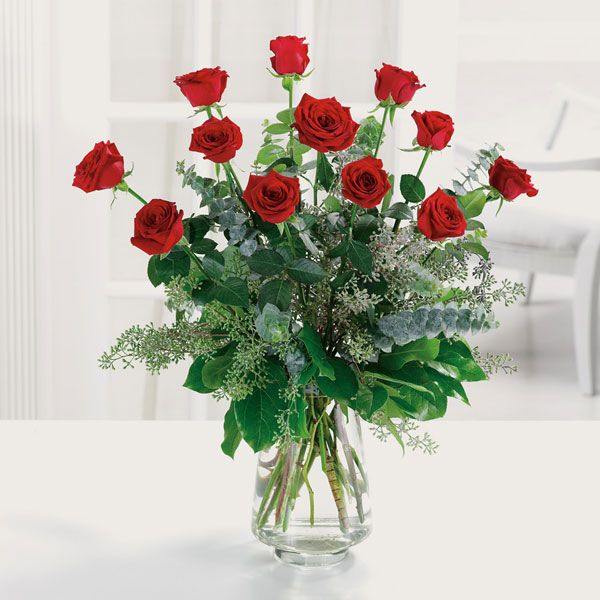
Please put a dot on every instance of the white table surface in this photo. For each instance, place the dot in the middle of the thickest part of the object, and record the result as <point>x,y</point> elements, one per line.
<point>111,511</point>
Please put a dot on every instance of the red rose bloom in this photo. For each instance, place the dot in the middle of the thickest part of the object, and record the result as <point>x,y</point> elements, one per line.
<point>511,181</point>
<point>203,87</point>
<point>439,217</point>
<point>324,125</point>
<point>274,197</point>
<point>157,227</point>
<point>291,55</point>
<point>434,129</point>
<point>217,139</point>
<point>101,168</point>
<point>364,182</point>
<point>393,81</point>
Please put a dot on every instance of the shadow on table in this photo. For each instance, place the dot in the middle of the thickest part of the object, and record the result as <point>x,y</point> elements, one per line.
<point>215,567</point>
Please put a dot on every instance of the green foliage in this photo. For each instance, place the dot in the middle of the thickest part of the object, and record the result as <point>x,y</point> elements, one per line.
<point>266,262</point>
<point>304,270</point>
<point>256,415</point>
<point>338,306</point>
<point>277,292</point>
<point>412,188</point>
<point>312,342</point>
<point>325,173</point>
<point>423,350</point>
<point>163,268</point>
<point>343,386</point>
<point>231,433</point>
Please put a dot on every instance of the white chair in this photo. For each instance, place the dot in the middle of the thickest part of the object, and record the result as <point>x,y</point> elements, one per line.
<point>526,237</point>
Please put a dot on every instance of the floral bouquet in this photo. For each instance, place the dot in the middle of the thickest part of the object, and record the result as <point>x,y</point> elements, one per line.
<point>318,291</point>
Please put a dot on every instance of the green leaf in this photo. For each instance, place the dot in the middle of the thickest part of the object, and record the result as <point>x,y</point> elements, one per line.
<point>325,173</point>
<point>473,224</point>
<point>305,270</point>
<point>307,373</point>
<point>341,280</point>
<point>266,262</point>
<point>332,204</point>
<point>194,377</point>
<point>204,293</point>
<point>272,325</point>
<point>163,269</point>
<point>198,227</point>
<point>472,203</point>
<point>365,227</point>
<point>215,369</point>
<point>344,385</point>
<point>457,356</point>
<point>399,210</point>
<point>297,419</point>
<point>360,256</point>
<point>203,246</point>
<point>447,383</point>
<point>277,292</point>
<point>231,432</point>
<point>476,248</point>
<point>368,400</point>
<point>267,154</point>
<point>412,188</point>
<point>422,349</point>
<point>233,292</point>
<point>256,415</point>
<point>385,204</point>
<point>311,340</point>
<point>278,128</point>
<point>286,116</point>
<point>340,250</point>
<point>213,264</point>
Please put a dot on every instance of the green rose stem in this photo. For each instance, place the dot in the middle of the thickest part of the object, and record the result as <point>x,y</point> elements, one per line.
<point>386,111</point>
<point>290,89</point>
<point>419,171</point>
<point>124,187</point>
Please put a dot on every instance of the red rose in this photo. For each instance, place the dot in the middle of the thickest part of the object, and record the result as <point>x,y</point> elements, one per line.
<point>203,87</point>
<point>439,217</point>
<point>324,125</point>
<point>101,168</point>
<point>393,81</point>
<point>510,180</point>
<point>274,197</point>
<point>434,129</point>
<point>157,227</point>
<point>217,139</point>
<point>291,55</point>
<point>364,182</point>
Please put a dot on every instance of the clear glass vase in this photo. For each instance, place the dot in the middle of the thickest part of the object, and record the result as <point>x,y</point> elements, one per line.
<point>311,499</point>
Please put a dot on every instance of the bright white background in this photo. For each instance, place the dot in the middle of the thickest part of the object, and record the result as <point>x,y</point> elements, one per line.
<point>105,69</point>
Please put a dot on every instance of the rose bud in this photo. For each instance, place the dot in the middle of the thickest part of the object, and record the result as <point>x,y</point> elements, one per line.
<point>324,125</point>
<point>290,55</point>
<point>511,181</point>
<point>396,83</point>
<point>157,227</point>
<point>364,182</point>
<point>274,197</point>
<point>101,168</point>
<point>434,129</point>
<point>439,217</point>
<point>217,139</point>
<point>203,87</point>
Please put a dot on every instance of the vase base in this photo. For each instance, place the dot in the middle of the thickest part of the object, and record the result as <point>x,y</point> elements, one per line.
<point>310,561</point>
